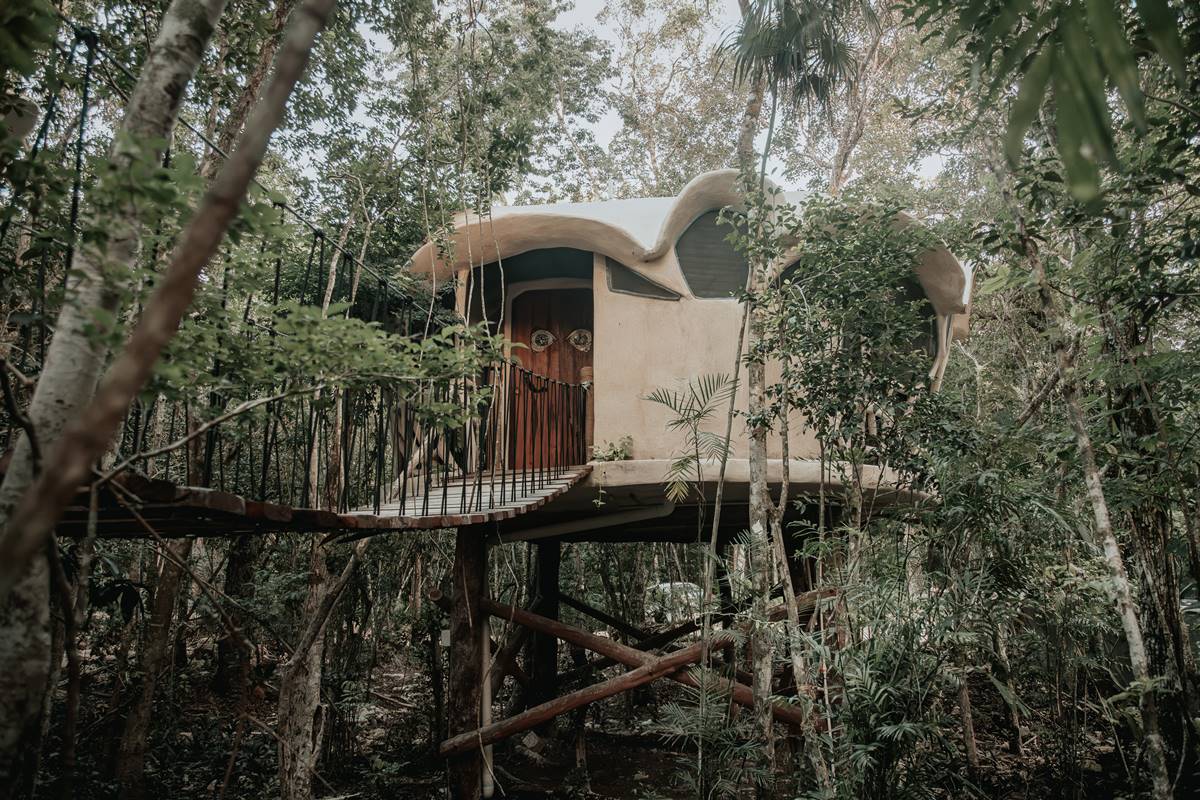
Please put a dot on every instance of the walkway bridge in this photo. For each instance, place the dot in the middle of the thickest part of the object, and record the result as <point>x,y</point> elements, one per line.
<point>500,444</point>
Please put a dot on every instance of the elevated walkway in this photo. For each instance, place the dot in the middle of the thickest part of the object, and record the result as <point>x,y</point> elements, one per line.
<point>133,503</point>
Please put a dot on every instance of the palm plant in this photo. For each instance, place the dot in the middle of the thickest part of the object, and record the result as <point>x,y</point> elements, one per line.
<point>691,407</point>
<point>800,49</point>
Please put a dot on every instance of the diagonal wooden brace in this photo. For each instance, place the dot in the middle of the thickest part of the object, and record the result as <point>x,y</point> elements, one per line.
<point>531,718</point>
<point>632,657</point>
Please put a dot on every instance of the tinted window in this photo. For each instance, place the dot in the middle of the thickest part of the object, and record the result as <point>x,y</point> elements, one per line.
<point>624,280</point>
<point>711,266</point>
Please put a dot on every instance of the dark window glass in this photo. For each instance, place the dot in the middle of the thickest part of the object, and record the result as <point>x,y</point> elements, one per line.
<point>624,280</point>
<point>551,262</point>
<point>711,266</point>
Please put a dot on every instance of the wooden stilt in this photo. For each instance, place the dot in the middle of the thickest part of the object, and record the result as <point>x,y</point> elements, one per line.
<point>806,602</point>
<point>506,656</point>
<point>543,669</point>
<point>465,769</point>
<point>485,705</point>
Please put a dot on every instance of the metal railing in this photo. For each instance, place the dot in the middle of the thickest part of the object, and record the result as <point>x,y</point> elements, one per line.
<point>433,448</point>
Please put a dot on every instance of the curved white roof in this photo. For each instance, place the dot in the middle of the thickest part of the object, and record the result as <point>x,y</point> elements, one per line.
<point>636,232</point>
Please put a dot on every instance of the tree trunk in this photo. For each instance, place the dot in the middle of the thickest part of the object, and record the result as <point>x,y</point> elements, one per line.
<point>73,361</point>
<point>235,121</point>
<point>968,721</point>
<point>1003,670</point>
<point>233,662</point>
<point>88,436</point>
<point>465,772</point>
<point>232,675</point>
<point>760,551</point>
<point>1113,557</point>
<point>300,719</point>
<point>655,667</point>
<point>156,657</point>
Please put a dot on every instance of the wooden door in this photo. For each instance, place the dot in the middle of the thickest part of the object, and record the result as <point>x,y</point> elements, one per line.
<point>555,327</point>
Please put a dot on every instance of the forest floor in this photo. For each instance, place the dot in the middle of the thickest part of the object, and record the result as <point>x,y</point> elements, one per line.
<point>383,748</point>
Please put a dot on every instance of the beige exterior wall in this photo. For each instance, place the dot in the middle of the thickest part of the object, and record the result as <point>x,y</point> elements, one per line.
<point>642,344</point>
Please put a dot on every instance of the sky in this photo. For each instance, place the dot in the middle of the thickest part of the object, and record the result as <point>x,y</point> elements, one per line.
<point>583,15</point>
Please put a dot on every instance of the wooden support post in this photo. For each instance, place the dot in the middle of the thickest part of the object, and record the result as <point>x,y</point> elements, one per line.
<point>465,770</point>
<point>485,704</point>
<point>652,669</point>
<point>619,625</point>
<point>506,656</point>
<point>633,657</point>
<point>543,669</point>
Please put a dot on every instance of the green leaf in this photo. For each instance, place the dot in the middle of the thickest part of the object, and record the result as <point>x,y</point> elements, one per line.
<point>1017,52</point>
<point>1162,27</point>
<point>1073,125</point>
<point>1085,76</point>
<point>1029,101</point>
<point>1115,52</point>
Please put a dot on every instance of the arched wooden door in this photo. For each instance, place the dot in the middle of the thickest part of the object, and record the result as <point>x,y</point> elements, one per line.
<point>555,327</point>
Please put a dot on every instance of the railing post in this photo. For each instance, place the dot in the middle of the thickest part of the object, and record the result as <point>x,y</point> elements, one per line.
<point>589,414</point>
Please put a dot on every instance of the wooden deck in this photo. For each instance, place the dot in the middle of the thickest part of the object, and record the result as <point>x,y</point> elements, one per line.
<point>134,502</point>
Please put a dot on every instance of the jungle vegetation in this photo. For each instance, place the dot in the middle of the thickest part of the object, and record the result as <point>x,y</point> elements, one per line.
<point>207,212</point>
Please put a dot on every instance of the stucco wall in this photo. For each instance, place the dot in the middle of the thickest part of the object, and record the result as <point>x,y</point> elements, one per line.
<point>642,344</point>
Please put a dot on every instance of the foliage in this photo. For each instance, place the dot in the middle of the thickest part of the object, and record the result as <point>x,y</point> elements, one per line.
<point>1069,124</point>
<point>620,450</point>
<point>727,758</point>
<point>799,47</point>
<point>1074,50</point>
<point>691,407</point>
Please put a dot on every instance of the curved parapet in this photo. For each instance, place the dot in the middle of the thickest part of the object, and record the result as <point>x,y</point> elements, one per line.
<point>638,232</point>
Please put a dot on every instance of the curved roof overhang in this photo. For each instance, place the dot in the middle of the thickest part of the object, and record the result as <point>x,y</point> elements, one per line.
<point>611,230</point>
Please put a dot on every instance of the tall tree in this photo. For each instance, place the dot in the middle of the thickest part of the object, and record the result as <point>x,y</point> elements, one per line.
<point>73,362</point>
<point>795,53</point>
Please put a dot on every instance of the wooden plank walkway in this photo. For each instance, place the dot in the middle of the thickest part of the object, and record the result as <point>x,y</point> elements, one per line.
<point>180,511</point>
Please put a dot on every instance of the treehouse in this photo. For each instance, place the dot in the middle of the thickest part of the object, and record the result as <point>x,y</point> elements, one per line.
<point>627,296</point>
<point>603,303</point>
<point>618,298</point>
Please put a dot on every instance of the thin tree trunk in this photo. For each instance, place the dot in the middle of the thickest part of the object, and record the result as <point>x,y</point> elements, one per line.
<point>73,361</point>
<point>86,439</point>
<point>232,677</point>
<point>1113,558</point>
<point>233,662</point>
<point>1004,674</point>
<point>760,551</point>
<point>301,721</point>
<point>235,121</point>
<point>156,657</point>
<point>748,127</point>
<point>967,718</point>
